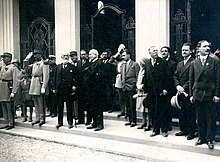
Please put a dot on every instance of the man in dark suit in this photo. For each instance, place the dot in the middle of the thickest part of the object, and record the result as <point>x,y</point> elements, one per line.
<point>187,119</point>
<point>156,84</point>
<point>65,85</point>
<point>110,70</point>
<point>129,75</point>
<point>165,53</point>
<point>95,83</point>
<point>82,93</point>
<point>204,91</point>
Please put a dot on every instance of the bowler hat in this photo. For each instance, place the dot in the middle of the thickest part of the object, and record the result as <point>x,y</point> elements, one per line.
<point>175,101</point>
<point>36,51</point>
<point>6,54</point>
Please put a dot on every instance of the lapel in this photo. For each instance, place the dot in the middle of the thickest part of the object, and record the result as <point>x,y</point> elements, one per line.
<point>129,66</point>
<point>207,63</point>
<point>185,67</point>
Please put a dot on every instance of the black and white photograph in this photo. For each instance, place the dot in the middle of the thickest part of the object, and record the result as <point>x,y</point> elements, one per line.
<point>109,80</point>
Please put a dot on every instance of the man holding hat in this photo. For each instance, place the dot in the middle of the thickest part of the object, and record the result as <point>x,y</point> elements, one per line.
<point>187,119</point>
<point>39,81</point>
<point>9,76</point>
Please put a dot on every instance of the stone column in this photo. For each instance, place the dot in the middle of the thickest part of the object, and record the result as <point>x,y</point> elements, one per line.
<point>152,25</point>
<point>9,27</point>
<point>67,27</point>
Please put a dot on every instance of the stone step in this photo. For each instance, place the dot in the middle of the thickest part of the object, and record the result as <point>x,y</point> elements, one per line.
<point>119,139</point>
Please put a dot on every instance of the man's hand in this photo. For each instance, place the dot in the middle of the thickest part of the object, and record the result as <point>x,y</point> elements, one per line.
<point>73,88</point>
<point>179,89</point>
<point>216,99</point>
<point>192,99</point>
<point>164,92</point>
<point>12,95</point>
<point>54,91</point>
<point>43,90</point>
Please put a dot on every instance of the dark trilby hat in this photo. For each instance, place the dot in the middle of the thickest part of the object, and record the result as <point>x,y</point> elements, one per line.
<point>6,54</point>
<point>72,53</point>
<point>36,51</point>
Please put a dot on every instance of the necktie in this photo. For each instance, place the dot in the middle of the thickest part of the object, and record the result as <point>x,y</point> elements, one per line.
<point>203,61</point>
<point>153,61</point>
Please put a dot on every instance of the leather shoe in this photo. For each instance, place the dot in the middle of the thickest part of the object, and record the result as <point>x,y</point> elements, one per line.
<point>58,126</point>
<point>126,124</point>
<point>70,126</point>
<point>147,128</point>
<point>24,120</point>
<point>199,142</point>
<point>210,144</point>
<point>133,124</point>
<point>35,122</point>
<point>41,123</point>
<point>91,127</point>
<point>4,127</point>
<point>154,134</point>
<point>141,126</point>
<point>180,134</point>
<point>98,129</point>
<point>121,114</point>
<point>190,137</point>
<point>165,134</point>
<point>9,127</point>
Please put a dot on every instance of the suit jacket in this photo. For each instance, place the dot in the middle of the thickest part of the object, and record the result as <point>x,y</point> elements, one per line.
<point>204,81</point>
<point>69,76</point>
<point>181,76</point>
<point>95,81</point>
<point>155,77</point>
<point>129,75</point>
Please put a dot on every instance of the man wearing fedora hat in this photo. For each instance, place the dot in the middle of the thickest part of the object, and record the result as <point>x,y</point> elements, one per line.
<point>187,120</point>
<point>9,76</point>
<point>39,80</point>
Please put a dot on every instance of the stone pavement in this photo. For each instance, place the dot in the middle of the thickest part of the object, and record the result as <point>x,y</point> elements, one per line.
<point>119,139</point>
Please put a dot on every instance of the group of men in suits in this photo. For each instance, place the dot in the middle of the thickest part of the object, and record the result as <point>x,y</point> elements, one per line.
<point>196,82</point>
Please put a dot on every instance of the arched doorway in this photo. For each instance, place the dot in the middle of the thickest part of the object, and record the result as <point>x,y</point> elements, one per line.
<point>108,25</point>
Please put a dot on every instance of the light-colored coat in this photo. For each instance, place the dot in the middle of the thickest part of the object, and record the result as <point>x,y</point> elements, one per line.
<point>40,77</point>
<point>8,73</point>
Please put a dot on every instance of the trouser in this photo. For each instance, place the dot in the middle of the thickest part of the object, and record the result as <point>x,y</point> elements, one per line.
<point>158,113</point>
<point>205,112</point>
<point>69,110</point>
<point>39,107</point>
<point>26,104</point>
<point>187,118</point>
<point>130,104</point>
<point>120,100</point>
<point>8,112</point>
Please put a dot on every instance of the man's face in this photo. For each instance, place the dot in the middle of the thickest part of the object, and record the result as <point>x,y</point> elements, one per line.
<point>52,61</point>
<point>153,52</point>
<point>92,56</point>
<point>186,51</point>
<point>37,56</point>
<point>164,53</point>
<point>204,49</point>
<point>65,58</point>
<point>104,56</point>
<point>125,56</point>
<point>84,55</point>
<point>74,58</point>
<point>6,59</point>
